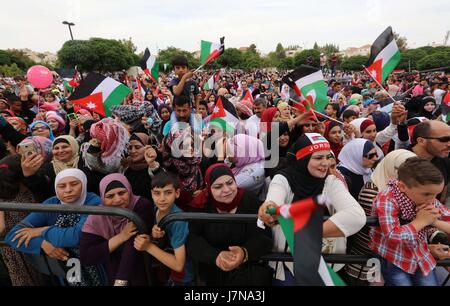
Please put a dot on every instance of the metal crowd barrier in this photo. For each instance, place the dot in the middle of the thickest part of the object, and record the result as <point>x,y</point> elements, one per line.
<point>197,217</point>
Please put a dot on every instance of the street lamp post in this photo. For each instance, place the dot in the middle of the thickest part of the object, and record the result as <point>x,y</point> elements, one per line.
<point>69,24</point>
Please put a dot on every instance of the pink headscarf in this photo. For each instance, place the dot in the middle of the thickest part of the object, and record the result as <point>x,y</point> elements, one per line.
<point>53,115</point>
<point>246,150</point>
<point>109,226</point>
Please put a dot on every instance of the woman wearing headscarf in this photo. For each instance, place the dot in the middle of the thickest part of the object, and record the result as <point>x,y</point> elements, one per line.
<point>164,112</point>
<point>246,155</point>
<point>41,128</point>
<point>306,177</point>
<point>385,171</point>
<point>285,111</point>
<point>357,158</point>
<point>333,133</point>
<point>142,164</point>
<point>227,253</point>
<point>40,174</point>
<point>56,123</point>
<point>58,235</point>
<point>427,108</point>
<point>108,240</point>
<point>14,191</point>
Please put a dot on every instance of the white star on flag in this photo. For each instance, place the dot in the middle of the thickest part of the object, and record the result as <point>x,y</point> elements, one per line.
<point>91,105</point>
<point>373,73</point>
<point>216,109</point>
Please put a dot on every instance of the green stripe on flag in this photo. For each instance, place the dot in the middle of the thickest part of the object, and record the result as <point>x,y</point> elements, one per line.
<point>390,66</point>
<point>321,99</point>
<point>67,86</point>
<point>155,70</point>
<point>116,97</point>
<point>223,124</point>
<point>205,51</point>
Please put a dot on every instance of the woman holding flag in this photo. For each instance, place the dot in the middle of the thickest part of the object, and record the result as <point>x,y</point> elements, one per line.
<point>309,177</point>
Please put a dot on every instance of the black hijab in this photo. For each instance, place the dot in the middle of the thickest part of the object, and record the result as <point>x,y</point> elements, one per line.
<point>302,183</point>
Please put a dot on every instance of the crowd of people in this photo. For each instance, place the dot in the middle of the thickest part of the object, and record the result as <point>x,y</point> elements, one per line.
<point>380,152</point>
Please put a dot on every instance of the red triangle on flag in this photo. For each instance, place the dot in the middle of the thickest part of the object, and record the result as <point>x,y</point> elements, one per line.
<point>92,103</point>
<point>219,111</point>
<point>376,70</point>
<point>300,212</point>
<point>248,96</point>
<point>447,99</point>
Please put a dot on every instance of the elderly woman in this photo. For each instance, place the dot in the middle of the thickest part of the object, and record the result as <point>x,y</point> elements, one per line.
<point>228,253</point>
<point>108,240</point>
<point>58,235</point>
<point>307,177</point>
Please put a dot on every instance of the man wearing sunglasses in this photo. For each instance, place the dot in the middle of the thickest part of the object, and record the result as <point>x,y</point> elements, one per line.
<point>431,140</point>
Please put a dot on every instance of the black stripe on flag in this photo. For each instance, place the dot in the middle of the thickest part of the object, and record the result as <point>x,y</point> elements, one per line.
<point>143,62</point>
<point>380,43</point>
<point>228,106</point>
<point>65,73</point>
<point>308,250</point>
<point>298,73</point>
<point>87,86</point>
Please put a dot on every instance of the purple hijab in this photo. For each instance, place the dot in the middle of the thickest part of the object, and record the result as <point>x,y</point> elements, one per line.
<point>109,226</point>
<point>246,149</point>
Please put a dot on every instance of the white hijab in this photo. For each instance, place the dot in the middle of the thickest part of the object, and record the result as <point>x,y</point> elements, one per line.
<point>387,168</point>
<point>79,175</point>
<point>351,158</point>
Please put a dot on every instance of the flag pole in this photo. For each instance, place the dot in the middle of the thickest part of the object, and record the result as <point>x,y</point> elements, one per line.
<point>323,115</point>
<point>378,83</point>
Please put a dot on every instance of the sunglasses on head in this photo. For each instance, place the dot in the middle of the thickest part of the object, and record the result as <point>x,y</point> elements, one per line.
<point>441,139</point>
<point>371,155</point>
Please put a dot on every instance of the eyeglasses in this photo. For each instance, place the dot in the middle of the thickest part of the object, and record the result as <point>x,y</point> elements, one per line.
<point>371,155</point>
<point>440,139</point>
<point>40,128</point>
<point>310,125</point>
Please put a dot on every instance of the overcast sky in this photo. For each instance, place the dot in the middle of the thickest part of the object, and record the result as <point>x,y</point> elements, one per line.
<point>183,23</point>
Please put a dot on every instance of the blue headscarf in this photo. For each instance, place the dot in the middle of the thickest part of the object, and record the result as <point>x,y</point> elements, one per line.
<point>51,137</point>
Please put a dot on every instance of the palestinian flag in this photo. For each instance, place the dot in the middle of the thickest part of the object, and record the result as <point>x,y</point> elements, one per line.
<point>98,93</point>
<point>248,96</point>
<point>384,56</point>
<point>212,80</point>
<point>71,78</point>
<point>446,107</point>
<point>308,84</point>
<point>224,115</point>
<point>150,65</point>
<point>210,51</point>
<point>302,225</point>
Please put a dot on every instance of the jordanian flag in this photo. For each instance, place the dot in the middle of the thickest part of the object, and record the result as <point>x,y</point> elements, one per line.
<point>384,56</point>
<point>150,65</point>
<point>302,225</point>
<point>71,78</point>
<point>212,80</point>
<point>224,115</point>
<point>210,51</point>
<point>98,93</point>
<point>308,83</point>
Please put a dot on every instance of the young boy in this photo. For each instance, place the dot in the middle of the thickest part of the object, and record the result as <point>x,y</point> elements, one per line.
<point>183,84</point>
<point>165,190</point>
<point>407,210</point>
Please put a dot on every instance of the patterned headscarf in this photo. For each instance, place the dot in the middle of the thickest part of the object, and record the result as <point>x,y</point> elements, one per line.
<point>58,165</point>
<point>22,124</point>
<point>42,144</point>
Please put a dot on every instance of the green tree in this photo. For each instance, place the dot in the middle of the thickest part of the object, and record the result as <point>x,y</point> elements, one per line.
<point>10,70</point>
<point>128,43</point>
<point>436,60</point>
<point>166,55</point>
<point>231,58</point>
<point>251,60</point>
<point>13,56</point>
<point>301,58</point>
<point>410,58</point>
<point>316,46</point>
<point>96,54</point>
<point>354,63</point>
<point>402,42</point>
<point>329,49</point>
<point>286,63</point>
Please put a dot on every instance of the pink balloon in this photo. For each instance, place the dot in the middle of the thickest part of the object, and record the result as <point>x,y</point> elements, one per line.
<point>39,76</point>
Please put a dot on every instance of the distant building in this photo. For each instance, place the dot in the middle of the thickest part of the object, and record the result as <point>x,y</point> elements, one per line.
<point>352,51</point>
<point>291,51</point>
<point>196,54</point>
<point>40,57</point>
<point>243,49</point>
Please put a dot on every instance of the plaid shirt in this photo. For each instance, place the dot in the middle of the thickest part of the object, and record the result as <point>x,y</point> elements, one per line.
<point>400,244</point>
